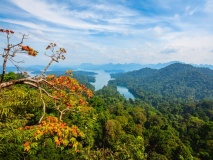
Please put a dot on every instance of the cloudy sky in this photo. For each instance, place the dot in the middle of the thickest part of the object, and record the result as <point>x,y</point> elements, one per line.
<point>115,31</point>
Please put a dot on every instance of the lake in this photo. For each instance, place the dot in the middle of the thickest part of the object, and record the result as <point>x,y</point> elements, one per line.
<point>102,79</point>
<point>125,92</point>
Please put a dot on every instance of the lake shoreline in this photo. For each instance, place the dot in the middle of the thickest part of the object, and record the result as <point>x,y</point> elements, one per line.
<point>102,78</point>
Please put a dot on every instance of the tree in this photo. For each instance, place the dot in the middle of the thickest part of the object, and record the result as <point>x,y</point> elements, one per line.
<point>57,88</point>
<point>19,104</point>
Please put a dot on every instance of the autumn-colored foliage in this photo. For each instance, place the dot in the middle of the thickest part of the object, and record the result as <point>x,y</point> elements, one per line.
<point>68,93</point>
<point>29,50</point>
<point>7,31</point>
<point>62,135</point>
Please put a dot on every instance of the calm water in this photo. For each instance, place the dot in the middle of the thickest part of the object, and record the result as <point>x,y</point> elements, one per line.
<point>125,92</point>
<point>102,79</point>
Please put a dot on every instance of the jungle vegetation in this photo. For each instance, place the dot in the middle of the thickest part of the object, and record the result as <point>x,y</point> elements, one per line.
<point>56,117</point>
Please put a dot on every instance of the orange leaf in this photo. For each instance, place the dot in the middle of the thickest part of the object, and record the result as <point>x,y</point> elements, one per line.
<point>26,144</point>
<point>25,48</point>
<point>7,31</point>
<point>48,47</point>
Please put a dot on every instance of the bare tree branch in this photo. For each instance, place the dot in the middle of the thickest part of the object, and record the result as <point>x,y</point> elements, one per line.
<point>7,53</point>
<point>44,105</point>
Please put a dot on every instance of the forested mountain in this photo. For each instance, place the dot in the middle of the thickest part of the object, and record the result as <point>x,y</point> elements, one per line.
<point>176,81</point>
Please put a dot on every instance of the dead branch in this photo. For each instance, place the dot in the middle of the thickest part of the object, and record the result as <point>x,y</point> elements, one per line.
<point>54,57</point>
<point>6,55</point>
<point>44,105</point>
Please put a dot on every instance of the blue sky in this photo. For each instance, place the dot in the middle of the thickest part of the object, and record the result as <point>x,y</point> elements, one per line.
<point>113,31</point>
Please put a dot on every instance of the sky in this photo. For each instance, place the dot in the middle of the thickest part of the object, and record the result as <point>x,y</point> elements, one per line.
<point>112,31</point>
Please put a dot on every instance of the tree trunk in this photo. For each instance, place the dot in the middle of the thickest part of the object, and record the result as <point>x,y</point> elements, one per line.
<point>4,68</point>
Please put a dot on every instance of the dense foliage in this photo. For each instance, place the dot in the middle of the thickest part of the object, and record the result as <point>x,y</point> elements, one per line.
<point>56,117</point>
<point>176,81</point>
<point>115,128</point>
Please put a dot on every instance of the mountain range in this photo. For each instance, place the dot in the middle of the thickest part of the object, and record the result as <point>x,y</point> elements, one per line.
<point>110,67</point>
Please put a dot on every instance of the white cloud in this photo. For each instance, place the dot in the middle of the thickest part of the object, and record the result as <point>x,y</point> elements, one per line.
<point>209,6</point>
<point>158,30</point>
<point>52,13</point>
<point>27,24</point>
<point>190,11</point>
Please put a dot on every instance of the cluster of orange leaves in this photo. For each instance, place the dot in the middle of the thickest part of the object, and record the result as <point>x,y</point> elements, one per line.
<point>63,50</point>
<point>29,50</point>
<point>61,134</point>
<point>7,31</point>
<point>70,85</point>
<point>51,45</point>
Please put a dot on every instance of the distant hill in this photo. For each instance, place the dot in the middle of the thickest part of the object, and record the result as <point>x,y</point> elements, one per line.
<point>37,68</point>
<point>110,67</point>
<point>179,81</point>
<point>203,65</point>
<point>119,68</point>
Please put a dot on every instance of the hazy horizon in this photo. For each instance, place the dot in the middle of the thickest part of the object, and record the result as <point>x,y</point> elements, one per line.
<point>88,63</point>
